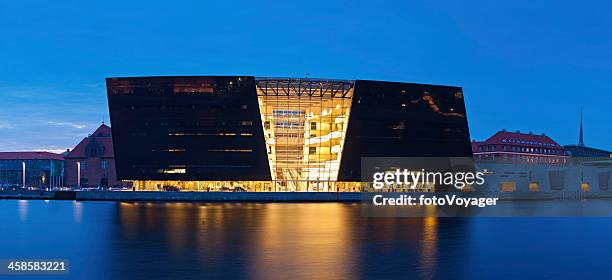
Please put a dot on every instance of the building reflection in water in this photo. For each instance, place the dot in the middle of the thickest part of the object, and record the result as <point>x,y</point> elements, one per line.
<point>305,241</point>
<point>429,244</point>
<point>273,240</point>
<point>77,211</point>
<point>23,210</point>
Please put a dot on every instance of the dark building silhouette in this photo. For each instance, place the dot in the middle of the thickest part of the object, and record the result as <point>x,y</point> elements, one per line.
<point>390,119</point>
<point>92,159</point>
<point>275,134</point>
<point>584,151</point>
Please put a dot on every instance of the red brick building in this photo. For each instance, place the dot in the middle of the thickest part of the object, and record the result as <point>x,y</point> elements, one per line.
<point>517,147</point>
<point>93,158</point>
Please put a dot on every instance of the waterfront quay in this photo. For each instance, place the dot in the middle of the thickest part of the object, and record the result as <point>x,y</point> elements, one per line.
<point>185,196</point>
<point>269,196</point>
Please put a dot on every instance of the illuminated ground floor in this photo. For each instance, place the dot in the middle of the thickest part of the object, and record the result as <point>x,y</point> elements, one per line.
<point>271,186</point>
<point>247,186</point>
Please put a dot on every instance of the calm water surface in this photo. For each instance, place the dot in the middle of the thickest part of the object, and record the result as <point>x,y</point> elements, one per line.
<point>111,240</point>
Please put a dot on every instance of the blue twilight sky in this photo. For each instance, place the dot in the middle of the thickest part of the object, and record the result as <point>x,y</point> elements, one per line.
<point>524,65</point>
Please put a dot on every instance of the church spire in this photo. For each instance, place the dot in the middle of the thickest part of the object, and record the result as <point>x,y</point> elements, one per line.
<point>581,138</point>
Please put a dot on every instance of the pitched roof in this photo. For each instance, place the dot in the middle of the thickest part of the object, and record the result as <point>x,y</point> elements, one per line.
<point>102,136</point>
<point>521,139</point>
<point>29,156</point>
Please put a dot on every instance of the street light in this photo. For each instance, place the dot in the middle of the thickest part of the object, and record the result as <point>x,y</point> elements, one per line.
<point>78,174</point>
<point>23,175</point>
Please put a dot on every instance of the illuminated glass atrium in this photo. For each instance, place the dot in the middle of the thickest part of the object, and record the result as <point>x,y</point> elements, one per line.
<point>305,123</point>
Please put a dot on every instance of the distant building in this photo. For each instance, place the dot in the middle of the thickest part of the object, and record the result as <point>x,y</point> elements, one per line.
<point>526,162</point>
<point>517,147</point>
<point>93,159</point>
<point>42,169</point>
<point>581,150</point>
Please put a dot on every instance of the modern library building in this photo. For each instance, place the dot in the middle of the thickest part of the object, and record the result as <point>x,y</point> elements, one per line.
<point>245,133</point>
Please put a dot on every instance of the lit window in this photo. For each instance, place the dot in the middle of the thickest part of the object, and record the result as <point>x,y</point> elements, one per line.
<point>231,150</point>
<point>584,186</point>
<point>507,186</point>
<point>288,124</point>
<point>171,150</point>
<point>289,113</point>
<point>172,171</point>
<point>398,126</point>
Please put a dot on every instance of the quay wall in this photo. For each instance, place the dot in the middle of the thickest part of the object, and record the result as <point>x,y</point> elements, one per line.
<point>187,196</point>
<point>269,196</point>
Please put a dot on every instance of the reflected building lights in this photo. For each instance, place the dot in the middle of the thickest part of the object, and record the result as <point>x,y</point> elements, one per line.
<point>128,218</point>
<point>78,211</point>
<point>23,210</point>
<point>302,237</point>
<point>278,240</point>
<point>429,244</point>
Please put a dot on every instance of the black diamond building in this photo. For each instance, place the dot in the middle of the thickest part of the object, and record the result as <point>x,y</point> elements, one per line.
<point>245,133</point>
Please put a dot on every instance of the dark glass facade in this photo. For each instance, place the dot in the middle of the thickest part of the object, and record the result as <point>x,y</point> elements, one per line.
<point>390,119</point>
<point>187,128</point>
<point>299,134</point>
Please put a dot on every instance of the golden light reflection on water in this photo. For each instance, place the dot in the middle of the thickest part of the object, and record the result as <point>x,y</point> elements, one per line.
<point>128,218</point>
<point>307,241</point>
<point>429,243</point>
<point>179,227</point>
<point>282,240</point>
